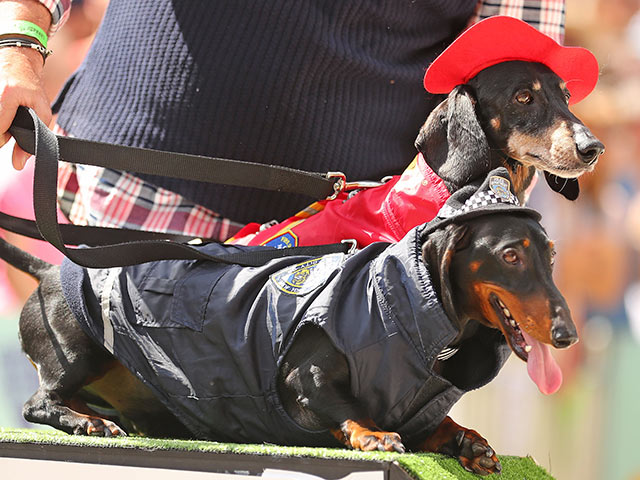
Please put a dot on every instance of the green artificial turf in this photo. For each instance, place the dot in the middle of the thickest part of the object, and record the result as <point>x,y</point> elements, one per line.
<point>421,466</point>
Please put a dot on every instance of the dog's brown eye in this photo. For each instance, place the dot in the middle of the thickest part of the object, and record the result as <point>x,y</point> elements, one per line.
<point>511,256</point>
<point>567,97</point>
<point>524,98</point>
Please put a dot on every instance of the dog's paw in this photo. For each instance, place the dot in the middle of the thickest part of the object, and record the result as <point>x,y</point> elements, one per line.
<point>365,435</point>
<point>475,454</point>
<point>101,427</point>
<point>384,441</point>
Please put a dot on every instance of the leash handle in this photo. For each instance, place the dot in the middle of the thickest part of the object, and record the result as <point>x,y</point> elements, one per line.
<point>47,146</point>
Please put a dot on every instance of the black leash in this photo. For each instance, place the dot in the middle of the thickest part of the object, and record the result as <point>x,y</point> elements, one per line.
<point>111,247</point>
<point>177,165</point>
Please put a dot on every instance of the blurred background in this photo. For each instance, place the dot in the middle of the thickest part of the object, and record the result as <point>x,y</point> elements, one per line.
<point>589,429</point>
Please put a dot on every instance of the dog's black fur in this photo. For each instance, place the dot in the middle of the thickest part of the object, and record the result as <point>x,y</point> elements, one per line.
<point>313,381</point>
<point>513,114</point>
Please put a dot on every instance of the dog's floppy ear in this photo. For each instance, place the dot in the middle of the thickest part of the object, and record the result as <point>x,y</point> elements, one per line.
<point>438,252</point>
<point>568,187</point>
<point>453,142</point>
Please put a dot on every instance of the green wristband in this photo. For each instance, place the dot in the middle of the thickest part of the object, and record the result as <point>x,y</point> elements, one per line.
<point>22,27</point>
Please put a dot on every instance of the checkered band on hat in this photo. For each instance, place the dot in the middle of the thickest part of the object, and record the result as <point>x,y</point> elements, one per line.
<point>477,201</point>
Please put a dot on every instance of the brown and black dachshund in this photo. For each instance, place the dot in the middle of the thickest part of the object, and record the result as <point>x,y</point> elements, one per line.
<point>514,114</point>
<point>492,273</point>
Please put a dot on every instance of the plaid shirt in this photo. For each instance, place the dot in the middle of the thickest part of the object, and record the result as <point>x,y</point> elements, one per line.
<point>59,13</point>
<point>90,195</point>
<point>546,15</point>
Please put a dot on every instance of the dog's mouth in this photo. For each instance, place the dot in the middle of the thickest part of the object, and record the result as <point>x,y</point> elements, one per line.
<point>541,366</point>
<point>566,150</point>
<point>564,171</point>
<point>511,329</point>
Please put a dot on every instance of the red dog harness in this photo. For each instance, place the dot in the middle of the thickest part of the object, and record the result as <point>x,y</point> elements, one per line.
<point>381,214</point>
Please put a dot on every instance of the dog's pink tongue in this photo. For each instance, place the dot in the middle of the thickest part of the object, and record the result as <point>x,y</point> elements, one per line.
<point>542,367</point>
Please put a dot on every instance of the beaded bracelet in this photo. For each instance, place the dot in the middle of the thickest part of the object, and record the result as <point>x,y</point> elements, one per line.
<point>22,42</point>
<point>22,27</point>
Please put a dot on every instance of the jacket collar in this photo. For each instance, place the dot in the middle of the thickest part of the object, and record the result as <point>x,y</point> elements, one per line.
<point>407,297</point>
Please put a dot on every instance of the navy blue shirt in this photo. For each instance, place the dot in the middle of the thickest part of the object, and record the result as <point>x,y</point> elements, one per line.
<point>318,85</point>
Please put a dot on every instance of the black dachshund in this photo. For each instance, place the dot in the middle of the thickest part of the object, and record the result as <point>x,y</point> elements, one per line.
<point>368,350</point>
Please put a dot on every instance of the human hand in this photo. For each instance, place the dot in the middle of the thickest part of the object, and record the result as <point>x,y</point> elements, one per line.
<point>20,84</point>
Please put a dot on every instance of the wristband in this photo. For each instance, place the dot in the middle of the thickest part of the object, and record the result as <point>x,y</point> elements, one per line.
<point>21,42</point>
<point>22,27</point>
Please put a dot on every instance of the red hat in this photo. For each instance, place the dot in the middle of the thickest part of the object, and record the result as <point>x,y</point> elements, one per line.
<point>501,39</point>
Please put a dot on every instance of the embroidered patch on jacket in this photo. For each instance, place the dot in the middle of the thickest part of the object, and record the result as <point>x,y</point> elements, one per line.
<point>307,276</point>
<point>286,240</point>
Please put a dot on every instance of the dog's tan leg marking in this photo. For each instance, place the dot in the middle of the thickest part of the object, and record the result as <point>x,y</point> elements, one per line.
<point>365,435</point>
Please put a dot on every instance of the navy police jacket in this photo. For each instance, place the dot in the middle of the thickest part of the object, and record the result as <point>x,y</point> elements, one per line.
<point>208,338</point>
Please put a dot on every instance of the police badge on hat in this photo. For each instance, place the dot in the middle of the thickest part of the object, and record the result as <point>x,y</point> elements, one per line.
<point>498,191</point>
<point>500,186</point>
<point>493,195</point>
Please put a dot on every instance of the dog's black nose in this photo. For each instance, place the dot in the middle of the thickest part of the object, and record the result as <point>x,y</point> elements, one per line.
<point>562,337</point>
<point>589,147</point>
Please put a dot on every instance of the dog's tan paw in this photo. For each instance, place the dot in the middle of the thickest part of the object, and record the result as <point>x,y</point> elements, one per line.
<point>100,427</point>
<point>383,441</point>
<point>365,435</point>
<point>476,455</point>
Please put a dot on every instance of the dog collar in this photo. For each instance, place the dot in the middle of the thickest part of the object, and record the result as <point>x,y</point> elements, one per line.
<point>446,353</point>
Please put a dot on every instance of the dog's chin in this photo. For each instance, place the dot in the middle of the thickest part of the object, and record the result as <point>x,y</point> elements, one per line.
<point>569,172</point>
<point>569,168</point>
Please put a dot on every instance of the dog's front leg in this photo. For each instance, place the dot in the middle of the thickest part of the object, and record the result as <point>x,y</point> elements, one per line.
<point>473,451</point>
<point>314,385</point>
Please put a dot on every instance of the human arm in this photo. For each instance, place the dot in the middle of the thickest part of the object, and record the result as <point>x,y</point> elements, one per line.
<point>21,71</point>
